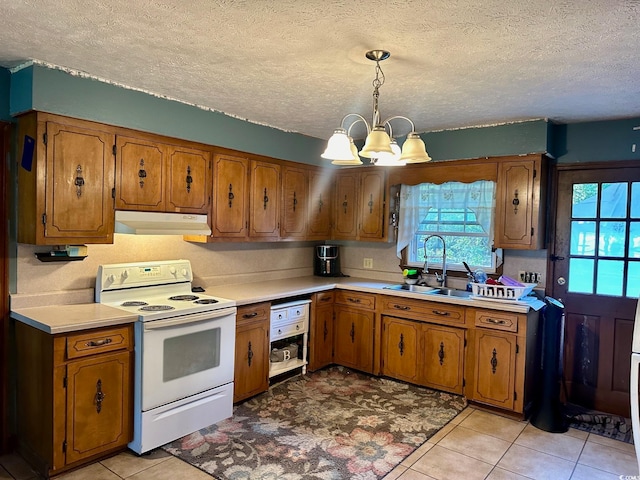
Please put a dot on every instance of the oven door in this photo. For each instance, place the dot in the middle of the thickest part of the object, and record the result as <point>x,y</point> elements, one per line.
<point>186,355</point>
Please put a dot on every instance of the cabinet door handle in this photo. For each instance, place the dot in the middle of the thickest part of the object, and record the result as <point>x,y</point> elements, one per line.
<point>231,195</point>
<point>345,204</point>
<point>142,173</point>
<point>325,331</point>
<point>189,179</point>
<point>79,181</point>
<point>320,203</point>
<point>370,204</point>
<point>295,201</point>
<point>494,361</point>
<point>98,343</point>
<point>495,322</point>
<point>265,200</point>
<point>249,354</point>
<point>401,344</point>
<point>441,353</point>
<point>515,202</point>
<point>440,312</point>
<point>100,396</point>
<point>250,315</point>
<point>402,307</point>
<point>352,333</point>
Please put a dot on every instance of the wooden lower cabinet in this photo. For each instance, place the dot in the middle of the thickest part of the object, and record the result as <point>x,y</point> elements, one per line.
<point>423,353</point>
<point>494,374</point>
<point>251,375</point>
<point>353,338</point>
<point>74,395</point>
<point>321,331</point>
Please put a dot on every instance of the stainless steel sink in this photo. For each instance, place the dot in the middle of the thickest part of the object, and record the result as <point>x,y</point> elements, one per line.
<point>450,292</point>
<point>411,288</point>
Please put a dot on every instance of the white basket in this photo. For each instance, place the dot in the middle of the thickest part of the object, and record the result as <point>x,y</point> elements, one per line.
<point>506,292</point>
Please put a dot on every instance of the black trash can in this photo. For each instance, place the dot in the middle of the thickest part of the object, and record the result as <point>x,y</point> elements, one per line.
<point>547,413</point>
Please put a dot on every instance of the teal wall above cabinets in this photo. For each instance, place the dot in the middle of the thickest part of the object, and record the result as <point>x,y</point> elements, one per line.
<point>37,87</point>
<point>5,81</point>
<point>597,141</point>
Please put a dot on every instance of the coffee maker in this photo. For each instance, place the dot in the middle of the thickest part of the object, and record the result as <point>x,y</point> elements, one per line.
<point>327,261</point>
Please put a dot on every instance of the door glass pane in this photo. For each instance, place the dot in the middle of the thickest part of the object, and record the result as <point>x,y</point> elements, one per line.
<point>184,355</point>
<point>583,235</point>
<point>610,274</point>
<point>584,200</point>
<point>612,235</point>
<point>633,280</point>
<point>613,200</point>
<point>635,200</point>
<point>634,240</point>
<point>581,275</point>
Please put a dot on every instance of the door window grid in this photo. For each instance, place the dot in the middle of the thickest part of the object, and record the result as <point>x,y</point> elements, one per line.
<point>605,254</point>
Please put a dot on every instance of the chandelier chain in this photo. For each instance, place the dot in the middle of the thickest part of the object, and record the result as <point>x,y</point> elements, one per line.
<point>377,83</point>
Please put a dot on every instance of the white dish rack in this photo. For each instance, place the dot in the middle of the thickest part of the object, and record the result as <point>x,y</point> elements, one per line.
<point>503,292</point>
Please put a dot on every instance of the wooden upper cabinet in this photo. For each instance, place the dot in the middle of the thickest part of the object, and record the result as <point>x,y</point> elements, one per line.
<point>345,216</point>
<point>64,181</point>
<point>294,202</point>
<point>264,200</point>
<point>372,205</point>
<point>140,178</point>
<point>230,196</point>
<point>520,200</point>
<point>320,205</point>
<point>188,180</point>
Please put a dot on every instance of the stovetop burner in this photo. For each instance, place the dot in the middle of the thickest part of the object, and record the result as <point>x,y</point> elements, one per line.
<point>156,308</point>
<point>184,298</point>
<point>206,301</point>
<point>134,303</point>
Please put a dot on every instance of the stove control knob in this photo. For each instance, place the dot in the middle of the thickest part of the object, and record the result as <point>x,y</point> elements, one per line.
<point>125,274</point>
<point>111,278</point>
<point>172,270</point>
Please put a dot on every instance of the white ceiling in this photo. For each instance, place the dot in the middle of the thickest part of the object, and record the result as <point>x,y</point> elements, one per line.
<point>299,65</point>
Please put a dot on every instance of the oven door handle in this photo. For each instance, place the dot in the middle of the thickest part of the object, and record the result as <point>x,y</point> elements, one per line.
<point>189,319</point>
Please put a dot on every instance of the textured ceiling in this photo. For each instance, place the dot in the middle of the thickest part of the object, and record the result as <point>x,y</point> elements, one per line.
<point>299,65</point>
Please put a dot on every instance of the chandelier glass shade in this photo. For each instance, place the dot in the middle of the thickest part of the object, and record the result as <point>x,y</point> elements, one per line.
<point>379,146</point>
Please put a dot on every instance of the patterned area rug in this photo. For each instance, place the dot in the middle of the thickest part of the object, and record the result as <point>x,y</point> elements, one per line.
<point>333,424</point>
<point>600,423</point>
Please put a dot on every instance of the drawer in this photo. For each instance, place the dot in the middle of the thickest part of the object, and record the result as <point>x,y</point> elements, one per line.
<point>324,298</point>
<point>94,342</point>
<point>422,310</point>
<point>288,330</point>
<point>496,320</point>
<point>356,299</point>
<point>253,313</point>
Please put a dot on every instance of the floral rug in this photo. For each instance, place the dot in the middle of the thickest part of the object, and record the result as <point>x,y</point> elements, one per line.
<point>332,424</point>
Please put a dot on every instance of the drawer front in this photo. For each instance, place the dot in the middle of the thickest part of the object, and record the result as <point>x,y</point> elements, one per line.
<point>356,299</point>
<point>253,313</point>
<point>99,341</point>
<point>421,310</point>
<point>298,313</point>
<point>496,320</point>
<point>323,298</point>
<point>288,330</point>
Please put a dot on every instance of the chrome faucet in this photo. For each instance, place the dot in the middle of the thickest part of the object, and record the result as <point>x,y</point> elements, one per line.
<point>441,279</point>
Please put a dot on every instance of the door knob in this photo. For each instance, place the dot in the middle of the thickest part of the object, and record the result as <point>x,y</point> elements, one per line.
<point>561,281</point>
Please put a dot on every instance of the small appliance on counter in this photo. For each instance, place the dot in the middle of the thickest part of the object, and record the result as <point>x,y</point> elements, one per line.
<point>327,261</point>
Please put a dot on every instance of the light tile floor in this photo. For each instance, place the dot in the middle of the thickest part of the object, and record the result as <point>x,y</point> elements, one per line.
<point>474,445</point>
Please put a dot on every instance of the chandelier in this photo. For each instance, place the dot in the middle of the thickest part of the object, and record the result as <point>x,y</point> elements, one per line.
<point>380,147</point>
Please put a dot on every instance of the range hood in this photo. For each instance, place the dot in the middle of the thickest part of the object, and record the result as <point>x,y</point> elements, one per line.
<point>157,223</point>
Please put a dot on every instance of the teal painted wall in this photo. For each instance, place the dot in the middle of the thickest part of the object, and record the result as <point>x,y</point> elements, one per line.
<point>54,91</point>
<point>5,82</point>
<point>597,141</point>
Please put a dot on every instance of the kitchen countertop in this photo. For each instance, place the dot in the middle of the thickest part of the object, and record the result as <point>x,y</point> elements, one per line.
<point>70,318</point>
<point>248,293</point>
<point>55,319</point>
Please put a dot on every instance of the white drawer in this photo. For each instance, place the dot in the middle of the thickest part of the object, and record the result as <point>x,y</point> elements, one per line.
<point>288,330</point>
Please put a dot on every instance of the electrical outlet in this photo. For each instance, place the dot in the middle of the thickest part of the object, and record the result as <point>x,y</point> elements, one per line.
<point>368,263</point>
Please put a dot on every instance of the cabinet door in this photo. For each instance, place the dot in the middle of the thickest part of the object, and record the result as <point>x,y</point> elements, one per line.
<point>372,206</point>
<point>264,199</point>
<point>345,218</point>
<point>79,178</point>
<point>140,178</point>
<point>353,338</point>
<point>443,358</point>
<point>517,204</point>
<point>294,202</point>
<point>400,348</point>
<point>495,366</point>
<point>230,196</point>
<point>320,189</point>
<point>321,351</point>
<point>251,361</point>
<point>188,172</point>
<point>99,405</point>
